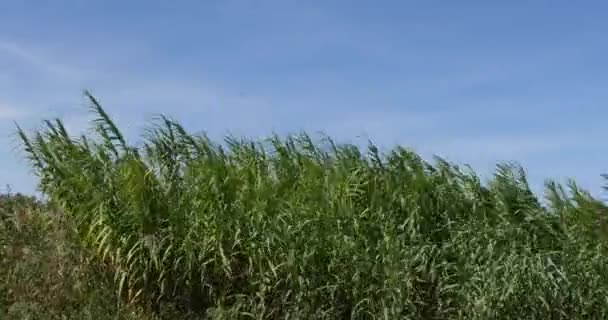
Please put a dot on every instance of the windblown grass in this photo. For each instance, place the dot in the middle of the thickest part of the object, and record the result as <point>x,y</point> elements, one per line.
<point>297,228</point>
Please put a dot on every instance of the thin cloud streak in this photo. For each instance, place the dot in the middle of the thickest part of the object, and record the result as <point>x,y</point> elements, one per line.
<point>30,57</point>
<point>12,112</point>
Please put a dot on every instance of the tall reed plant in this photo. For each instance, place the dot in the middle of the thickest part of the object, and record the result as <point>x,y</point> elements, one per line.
<point>298,227</point>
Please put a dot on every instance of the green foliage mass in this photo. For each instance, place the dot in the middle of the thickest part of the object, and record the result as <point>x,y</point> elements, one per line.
<point>300,228</point>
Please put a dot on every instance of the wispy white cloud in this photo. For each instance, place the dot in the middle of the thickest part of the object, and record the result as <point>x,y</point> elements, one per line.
<point>12,112</point>
<point>32,57</point>
<point>207,105</point>
<point>503,147</point>
<point>218,108</point>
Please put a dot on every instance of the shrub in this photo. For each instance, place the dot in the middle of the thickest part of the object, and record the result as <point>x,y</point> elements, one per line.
<point>45,273</point>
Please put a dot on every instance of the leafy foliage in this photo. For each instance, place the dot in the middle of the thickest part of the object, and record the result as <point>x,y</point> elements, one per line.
<point>295,228</point>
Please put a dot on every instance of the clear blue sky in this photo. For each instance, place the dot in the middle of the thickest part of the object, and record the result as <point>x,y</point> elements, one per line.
<point>474,81</point>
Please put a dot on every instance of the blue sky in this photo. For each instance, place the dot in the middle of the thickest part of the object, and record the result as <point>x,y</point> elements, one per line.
<point>473,81</point>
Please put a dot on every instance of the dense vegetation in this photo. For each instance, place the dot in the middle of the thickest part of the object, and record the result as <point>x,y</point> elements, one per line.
<point>297,228</point>
<point>45,273</point>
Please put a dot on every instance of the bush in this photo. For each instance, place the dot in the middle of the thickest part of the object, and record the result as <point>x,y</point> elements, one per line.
<point>44,272</point>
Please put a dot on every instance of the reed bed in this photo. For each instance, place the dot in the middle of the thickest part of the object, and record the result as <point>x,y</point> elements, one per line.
<point>303,228</point>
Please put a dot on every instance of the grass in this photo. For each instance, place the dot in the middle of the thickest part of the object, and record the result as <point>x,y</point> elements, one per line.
<point>298,228</point>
